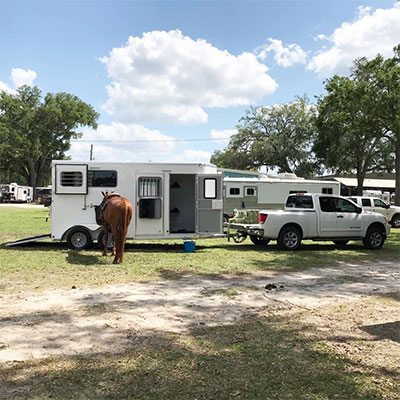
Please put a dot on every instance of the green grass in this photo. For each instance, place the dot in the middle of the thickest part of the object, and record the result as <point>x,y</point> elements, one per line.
<point>262,356</point>
<point>51,265</point>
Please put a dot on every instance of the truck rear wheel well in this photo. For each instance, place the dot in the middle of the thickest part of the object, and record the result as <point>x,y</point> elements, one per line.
<point>292,225</point>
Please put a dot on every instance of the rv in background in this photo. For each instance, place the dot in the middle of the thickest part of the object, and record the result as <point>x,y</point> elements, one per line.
<point>16,193</point>
<point>169,200</point>
<point>270,193</point>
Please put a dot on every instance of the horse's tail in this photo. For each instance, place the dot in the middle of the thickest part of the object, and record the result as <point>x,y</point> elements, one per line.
<point>126,215</point>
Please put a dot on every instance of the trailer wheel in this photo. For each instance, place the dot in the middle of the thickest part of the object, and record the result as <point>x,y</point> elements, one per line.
<point>79,239</point>
<point>259,241</point>
<point>289,238</point>
<point>374,238</point>
<point>100,243</point>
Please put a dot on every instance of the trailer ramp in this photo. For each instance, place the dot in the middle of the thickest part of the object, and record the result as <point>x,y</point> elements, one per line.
<point>28,240</point>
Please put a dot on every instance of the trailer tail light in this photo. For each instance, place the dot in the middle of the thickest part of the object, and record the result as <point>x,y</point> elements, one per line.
<point>262,218</point>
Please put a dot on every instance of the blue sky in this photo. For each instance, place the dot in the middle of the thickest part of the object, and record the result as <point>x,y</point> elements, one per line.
<point>165,71</point>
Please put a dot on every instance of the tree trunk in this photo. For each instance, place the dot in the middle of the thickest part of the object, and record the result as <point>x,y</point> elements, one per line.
<point>397,172</point>
<point>360,182</point>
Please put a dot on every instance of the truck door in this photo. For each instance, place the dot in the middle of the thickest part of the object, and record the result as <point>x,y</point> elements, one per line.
<point>209,204</point>
<point>149,217</point>
<point>327,217</point>
<point>349,222</point>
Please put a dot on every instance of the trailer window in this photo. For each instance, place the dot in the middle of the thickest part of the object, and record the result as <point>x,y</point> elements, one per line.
<point>149,187</point>
<point>149,191</point>
<point>250,191</point>
<point>210,188</point>
<point>234,191</point>
<point>327,190</point>
<point>71,178</point>
<point>99,178</point>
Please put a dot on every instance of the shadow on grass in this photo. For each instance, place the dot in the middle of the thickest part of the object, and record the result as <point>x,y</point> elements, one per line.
<point>254,358</point>
<point>388,330</point>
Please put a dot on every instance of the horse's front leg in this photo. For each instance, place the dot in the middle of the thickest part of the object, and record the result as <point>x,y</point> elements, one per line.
<point>105,239</point>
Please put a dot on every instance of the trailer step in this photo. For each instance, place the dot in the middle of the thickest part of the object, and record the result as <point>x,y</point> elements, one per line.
<point>28,240</point>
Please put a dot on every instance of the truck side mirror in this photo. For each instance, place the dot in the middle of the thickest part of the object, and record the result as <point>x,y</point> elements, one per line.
<point>358,210</point>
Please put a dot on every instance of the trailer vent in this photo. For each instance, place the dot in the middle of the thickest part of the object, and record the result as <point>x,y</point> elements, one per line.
<point>71,178</point>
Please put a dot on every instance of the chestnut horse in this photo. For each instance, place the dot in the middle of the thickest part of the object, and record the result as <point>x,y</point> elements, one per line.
<point>116,212</point>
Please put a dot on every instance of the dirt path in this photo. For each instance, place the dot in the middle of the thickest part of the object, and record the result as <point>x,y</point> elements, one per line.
<point>79,321</point>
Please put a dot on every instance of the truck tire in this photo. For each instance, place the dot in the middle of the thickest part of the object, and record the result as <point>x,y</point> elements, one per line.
<point>374,238</point>
<point>289,238</point>
<point>395,222</point>
<point>79,239</point>
<point>340,243</point>
<point>100,244</point>
<point>259,241</point>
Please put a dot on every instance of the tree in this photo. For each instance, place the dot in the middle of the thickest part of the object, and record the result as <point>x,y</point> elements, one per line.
<point>350,137</point>
<point>359,120</point>
<point>279,137</point>
<point>35,131</point>
<point>383,77</point>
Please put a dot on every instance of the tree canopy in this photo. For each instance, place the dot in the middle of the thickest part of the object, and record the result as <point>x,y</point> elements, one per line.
<point>278,137</point>
<point>359,119</point>
<point>33,131</point>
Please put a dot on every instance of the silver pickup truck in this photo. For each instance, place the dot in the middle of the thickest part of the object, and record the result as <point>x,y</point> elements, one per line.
<point>318,217</point>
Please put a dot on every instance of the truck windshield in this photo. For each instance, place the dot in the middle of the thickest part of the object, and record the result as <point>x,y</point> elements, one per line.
<point>299,202</point>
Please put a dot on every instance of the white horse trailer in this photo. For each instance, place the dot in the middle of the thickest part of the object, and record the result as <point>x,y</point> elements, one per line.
<point>270,193</point>
<point>168,200</point>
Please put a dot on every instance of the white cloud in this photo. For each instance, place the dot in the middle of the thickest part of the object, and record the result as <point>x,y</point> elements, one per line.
<point>169,77</point>
<point>132,143</point>
<point>21,76</point>
<point>222,136</point>
<point>371,33</point>
<point>5,88</point>
<point>191,156</point>
<point>284,56</point>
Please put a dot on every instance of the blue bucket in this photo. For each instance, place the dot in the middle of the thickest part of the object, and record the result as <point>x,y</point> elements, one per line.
<point>189,246</point>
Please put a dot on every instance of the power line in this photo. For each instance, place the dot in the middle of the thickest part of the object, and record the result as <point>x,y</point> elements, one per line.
<point>147,141</point>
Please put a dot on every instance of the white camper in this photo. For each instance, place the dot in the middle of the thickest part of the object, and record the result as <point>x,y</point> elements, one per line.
<point>169,200</point>
<point>17,193</point>
<point>270,193</point>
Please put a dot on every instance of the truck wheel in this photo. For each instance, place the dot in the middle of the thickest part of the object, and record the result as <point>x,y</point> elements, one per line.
<point>79,239</point>
<point>259,241</point>
<point>374,239</point>
<point>340,242</point>
<point>395,222</point>
<point>100,243</point>
<point>289,238</point>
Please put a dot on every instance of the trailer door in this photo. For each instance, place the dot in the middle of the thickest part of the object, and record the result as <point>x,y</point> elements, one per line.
<point>71,179</point>
<point>209,204</point>
<point>150,204</point>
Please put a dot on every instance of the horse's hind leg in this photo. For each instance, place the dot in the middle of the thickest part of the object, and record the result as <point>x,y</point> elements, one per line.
<point>105,240</point>
<point>116,246</point>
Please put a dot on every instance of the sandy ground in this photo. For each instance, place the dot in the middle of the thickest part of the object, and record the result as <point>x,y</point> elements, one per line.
<point>81,321</point>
